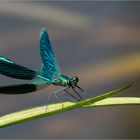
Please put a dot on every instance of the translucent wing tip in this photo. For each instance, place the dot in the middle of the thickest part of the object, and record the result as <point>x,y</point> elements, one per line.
<point>44,33</point>
<point>43,30</point>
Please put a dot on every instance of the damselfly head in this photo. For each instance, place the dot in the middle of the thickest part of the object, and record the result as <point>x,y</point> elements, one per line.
<point>73,81</point>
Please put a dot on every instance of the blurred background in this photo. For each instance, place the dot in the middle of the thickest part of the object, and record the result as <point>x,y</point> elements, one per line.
<point>97,41</point>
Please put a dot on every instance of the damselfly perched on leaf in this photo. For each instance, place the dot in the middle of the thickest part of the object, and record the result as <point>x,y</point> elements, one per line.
<point>50,73</point>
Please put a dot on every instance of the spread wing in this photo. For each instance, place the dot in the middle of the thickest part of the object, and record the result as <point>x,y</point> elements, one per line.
<point>23,88</point>
<point>13,70</point>
<point>50,67</point>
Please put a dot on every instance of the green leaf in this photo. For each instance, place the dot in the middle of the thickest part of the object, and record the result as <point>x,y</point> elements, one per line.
<point>40,112</point>
<point>116,101</point>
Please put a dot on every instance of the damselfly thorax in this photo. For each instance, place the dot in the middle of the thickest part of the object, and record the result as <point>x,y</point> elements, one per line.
<point>63,80</point>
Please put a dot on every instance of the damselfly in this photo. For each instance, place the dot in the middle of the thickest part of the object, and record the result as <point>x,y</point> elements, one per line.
<point>50,73</point>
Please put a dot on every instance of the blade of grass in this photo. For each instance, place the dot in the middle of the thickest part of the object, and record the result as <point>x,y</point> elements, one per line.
<point>115,101</point>
<point>39,112</point>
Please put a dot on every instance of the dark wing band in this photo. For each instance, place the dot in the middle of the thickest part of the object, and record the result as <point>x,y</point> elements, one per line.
<point>22,88</point>
<point>13,70</point>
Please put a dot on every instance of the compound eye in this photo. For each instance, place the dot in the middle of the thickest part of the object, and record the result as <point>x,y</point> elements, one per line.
<point>77,79</point>
<point>74,81</point>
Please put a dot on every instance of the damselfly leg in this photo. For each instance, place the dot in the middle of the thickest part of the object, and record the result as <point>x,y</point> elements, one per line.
<point>57,97</point>
<point>68,94</point>
<point>77,93</point>
<point>71,95</point>
<point>82,91</point>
